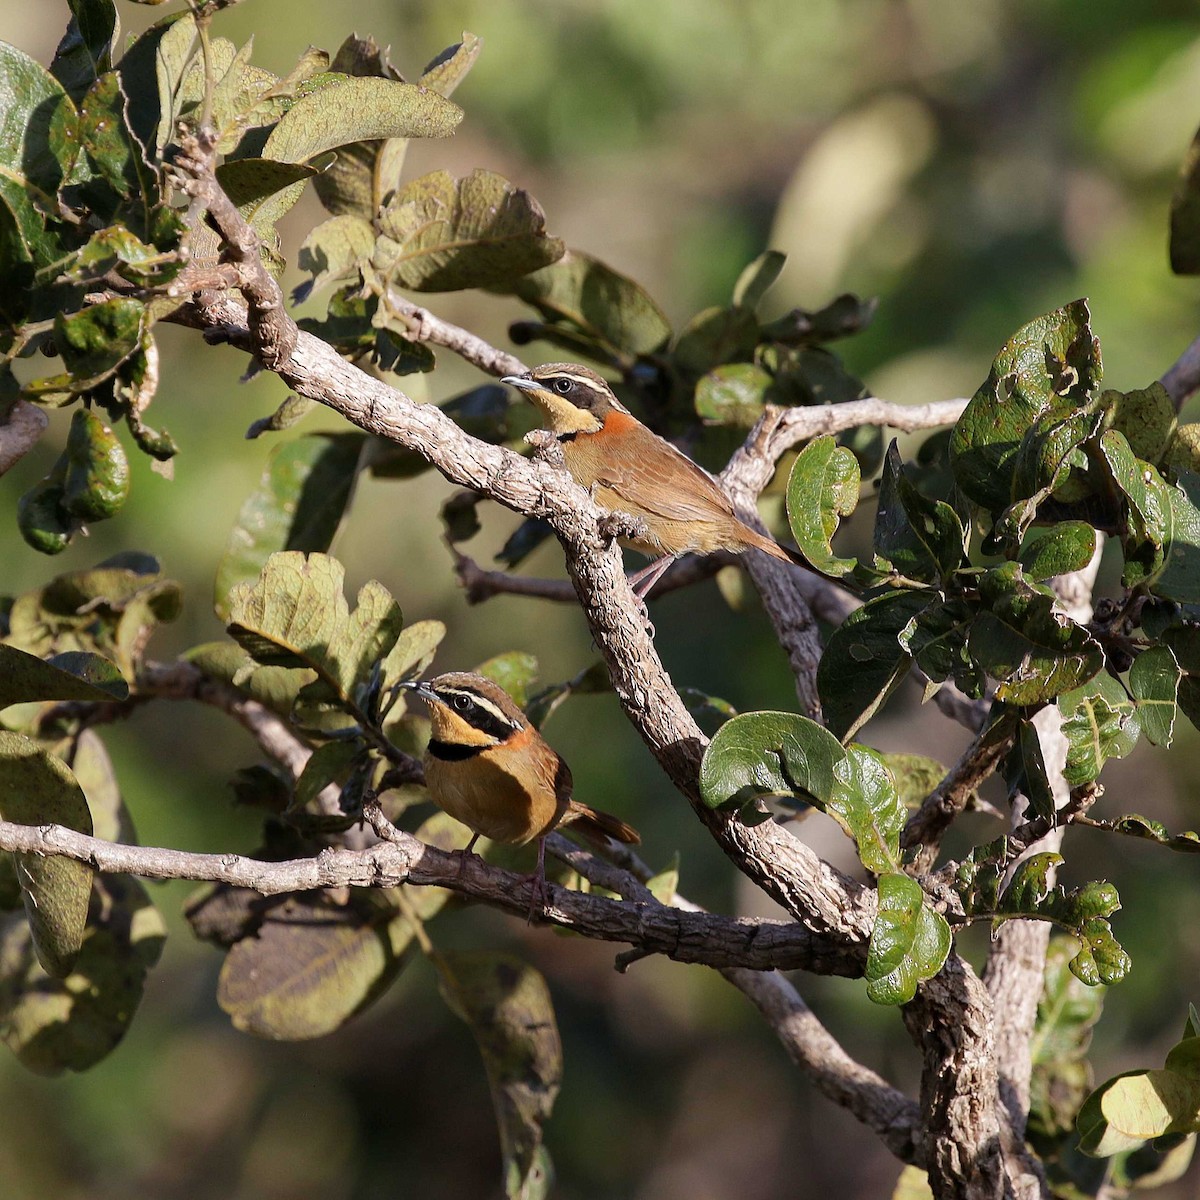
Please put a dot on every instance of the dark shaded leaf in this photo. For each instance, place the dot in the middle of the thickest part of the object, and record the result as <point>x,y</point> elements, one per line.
<point>864,661</point>
<point>71,1024</point>
<point>1035,652</point>
<point>581,292</point>
<point>96,340</point>
<point>921,538</point>
<point>507,1005</point>
<point>85,50</point>
<point>1185,215</point>
<point>312,965</point>
<point>76,675</point>
<point>716,336</point>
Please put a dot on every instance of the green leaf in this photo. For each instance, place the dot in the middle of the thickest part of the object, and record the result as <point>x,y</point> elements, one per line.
<point>1154,682</point>
<point>732,395</point>
<point>312,965</point>
<point>439,234</point>
<point>54,1025</point>
<point>97,479</point>
<point>1137,1106</point>
<point>1183,454</point>
<point>1050,357</point>
<point>1059,550</point>
<point>1020,639</point>
<point>262,188</point>
<point>915,776</point>
<point>770,753</point>
<point>331,763</point>
<point>75,675</point>
<point>507,1005</point>
<point>1185,215</point>
<point>864,802</point>
<point>359,109</point>
<point>410,657</point>
<point>95,341</point>
<point>921,538</point>
<point>299,504</point>
<point>37,788</point>
<point>581,292</point>
<point>37,149</point>
<point>274,687</point>
<point>515,672</point>
<point>864,662</point>
<point>293,410</point>
<point>822,489</point>
<point>1099,722</point>
<point>1147,418</point>
<point>756,279</point>
<point>843,316</point>
<point>1148,517</point>
<point>909,942</point>
<point>1135,825</point>
<point>295,615</point>
<point>936,637</point>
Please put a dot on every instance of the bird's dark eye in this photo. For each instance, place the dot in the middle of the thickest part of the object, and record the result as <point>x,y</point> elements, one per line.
<point>462,703</point>
<point>562,386</point>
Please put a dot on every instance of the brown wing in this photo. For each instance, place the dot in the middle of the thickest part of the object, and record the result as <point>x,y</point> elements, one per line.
<point>650,475</point>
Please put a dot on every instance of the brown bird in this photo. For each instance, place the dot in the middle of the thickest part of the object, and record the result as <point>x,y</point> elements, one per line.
<point>489,768</point>
<point>632,470</point>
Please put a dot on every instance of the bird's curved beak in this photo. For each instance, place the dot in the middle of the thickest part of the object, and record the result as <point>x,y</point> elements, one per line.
<point>521,382</point>
<point>423,690</point>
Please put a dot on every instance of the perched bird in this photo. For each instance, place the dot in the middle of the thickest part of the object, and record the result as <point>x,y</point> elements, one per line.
<point>632,470</point>
<point>489,768</point>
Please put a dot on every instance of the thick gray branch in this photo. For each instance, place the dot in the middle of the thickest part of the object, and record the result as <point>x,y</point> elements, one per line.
<point>684,936</point>
<point>20,431</point>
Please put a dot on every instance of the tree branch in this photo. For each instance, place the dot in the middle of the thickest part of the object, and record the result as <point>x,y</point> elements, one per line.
<point>20,430</point>
<point>718,941</point>
<point>785,868</point>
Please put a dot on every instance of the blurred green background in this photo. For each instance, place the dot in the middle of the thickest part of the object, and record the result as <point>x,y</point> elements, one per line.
<point>972,164</point>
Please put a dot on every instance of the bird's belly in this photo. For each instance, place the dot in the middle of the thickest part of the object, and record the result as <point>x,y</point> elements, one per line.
<point>490,800</point>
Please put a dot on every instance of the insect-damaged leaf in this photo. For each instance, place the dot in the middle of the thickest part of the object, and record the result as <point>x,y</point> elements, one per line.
<point>439,234</point>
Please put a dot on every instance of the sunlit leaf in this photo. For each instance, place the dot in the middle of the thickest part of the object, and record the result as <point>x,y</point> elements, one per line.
<point>909,941</point>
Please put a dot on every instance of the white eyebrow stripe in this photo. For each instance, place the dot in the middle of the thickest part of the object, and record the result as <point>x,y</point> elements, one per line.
<point>588,383</point>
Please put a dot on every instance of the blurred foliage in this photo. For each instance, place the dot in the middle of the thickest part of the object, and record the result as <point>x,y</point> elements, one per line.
<point>970,166</point>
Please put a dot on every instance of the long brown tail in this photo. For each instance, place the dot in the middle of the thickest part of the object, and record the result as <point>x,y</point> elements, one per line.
<point>772,547</point>
<point>593,822</point>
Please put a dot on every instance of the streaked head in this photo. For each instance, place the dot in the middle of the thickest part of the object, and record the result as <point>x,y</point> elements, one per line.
<point>572,398</point>
<point>469,710</point>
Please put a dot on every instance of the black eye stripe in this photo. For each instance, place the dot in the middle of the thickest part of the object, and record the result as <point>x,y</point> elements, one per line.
<point>478,716</point>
